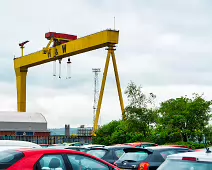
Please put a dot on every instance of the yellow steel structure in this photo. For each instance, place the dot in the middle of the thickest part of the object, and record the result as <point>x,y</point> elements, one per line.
<point>107,38</point>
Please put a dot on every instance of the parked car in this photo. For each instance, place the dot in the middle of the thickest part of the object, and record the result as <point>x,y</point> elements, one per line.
<point>39,159</point>
<point>141,144</point>
<point>147,158</point>
<point>83,148</point>
<point>44,145</point>
<point>17,143</point>
<point>92,146</point>
<point>73,144</point>
<point>189,160</point>
<point>108,153</point>
<point>76,148</point>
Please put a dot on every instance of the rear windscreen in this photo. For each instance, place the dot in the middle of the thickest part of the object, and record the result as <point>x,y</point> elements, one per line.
<point>9,158</point>
<point>99,153</point>
<point>135,156</point>
<point>164,154</point>
<point>185,165</point>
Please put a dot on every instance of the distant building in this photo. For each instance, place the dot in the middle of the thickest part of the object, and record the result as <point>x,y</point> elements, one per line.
<point>23,126</point>
<point>61,131</point>
<point>80,134</point>
<point>84,131</point>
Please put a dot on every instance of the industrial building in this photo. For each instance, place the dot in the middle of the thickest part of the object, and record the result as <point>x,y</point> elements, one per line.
<point>81,134</point>
<point>23,126</point>
<point>32,127</point>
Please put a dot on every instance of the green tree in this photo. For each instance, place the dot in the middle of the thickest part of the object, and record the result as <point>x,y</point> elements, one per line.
<point>140,112</point>
<point>208,134</point>
<point>186,116</point>
<point>141,116</point>
<point>103,135</point>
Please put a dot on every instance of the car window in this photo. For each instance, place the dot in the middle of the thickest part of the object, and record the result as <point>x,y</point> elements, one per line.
<point>185,165</point>
<point>9,158</point>
<point>55,162</point>
<point>135,156</point>
<point>79,162</point>
<point>182,150</point>
<point>164,154</point>
<point>119,153</point>
<point>99,153</point>
<point>83,150</point>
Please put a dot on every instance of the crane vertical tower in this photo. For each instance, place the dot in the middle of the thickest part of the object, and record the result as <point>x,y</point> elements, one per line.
<point>96,91</point>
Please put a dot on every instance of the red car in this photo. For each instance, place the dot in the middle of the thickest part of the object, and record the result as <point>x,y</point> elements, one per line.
<point>40,159</point>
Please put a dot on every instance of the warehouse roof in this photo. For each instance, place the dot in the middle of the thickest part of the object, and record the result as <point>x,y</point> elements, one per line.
<point>12,116</point>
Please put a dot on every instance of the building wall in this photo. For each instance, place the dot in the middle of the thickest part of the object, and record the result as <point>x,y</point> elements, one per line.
<point>84,132</point>
<point>18,126</point>
<point>7,133</point>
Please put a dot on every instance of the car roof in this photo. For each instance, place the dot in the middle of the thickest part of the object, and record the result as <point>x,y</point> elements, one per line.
<point>140,143</point>
<point>202,156</point>
<point>92,145</point>
<point>124,146</point>
<point>7,143</point>
<point>63,147</point>
<point>31,151</point>
<point>164,147</point>
<point>151,149</point>
<point>111,147</point>
<point>46,150</point>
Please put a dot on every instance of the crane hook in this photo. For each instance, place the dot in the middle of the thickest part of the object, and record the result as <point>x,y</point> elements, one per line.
<point>68,69</point>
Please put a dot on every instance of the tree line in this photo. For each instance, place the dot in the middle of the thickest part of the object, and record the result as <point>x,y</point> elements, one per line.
<point>175,120</point>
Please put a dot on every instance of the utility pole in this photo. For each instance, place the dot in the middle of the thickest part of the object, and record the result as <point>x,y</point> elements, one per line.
<point>96,91</point>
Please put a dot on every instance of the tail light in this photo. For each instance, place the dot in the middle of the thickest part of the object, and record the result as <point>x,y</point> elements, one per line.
<point>189,159</point>
<point>144,166</point>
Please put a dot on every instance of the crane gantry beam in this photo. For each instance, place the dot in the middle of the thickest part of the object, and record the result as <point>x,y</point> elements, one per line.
<point>81,45</point>
<point>107,38</point>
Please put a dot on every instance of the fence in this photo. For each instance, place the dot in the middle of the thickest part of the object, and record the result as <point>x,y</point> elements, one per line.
<point>49,139</point>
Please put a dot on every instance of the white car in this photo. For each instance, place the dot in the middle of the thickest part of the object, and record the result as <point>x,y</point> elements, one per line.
<point>188,161</point>
<point>14,144</point>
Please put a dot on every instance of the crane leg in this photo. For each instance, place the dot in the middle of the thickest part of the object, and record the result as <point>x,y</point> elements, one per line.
<point>118,84</point>
<point>102,91</point>
<point>21,89</point>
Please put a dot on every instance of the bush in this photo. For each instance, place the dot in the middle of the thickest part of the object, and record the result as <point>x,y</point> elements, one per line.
<point>192,145</point>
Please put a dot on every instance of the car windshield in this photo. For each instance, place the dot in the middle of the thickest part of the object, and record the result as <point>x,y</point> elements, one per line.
<point>9,158</point>
<point>135,156</point>
<point>99,153</point>
<point>185,165</point>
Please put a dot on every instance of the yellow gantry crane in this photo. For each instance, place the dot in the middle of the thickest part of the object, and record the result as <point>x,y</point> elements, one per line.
<point>65,45</point>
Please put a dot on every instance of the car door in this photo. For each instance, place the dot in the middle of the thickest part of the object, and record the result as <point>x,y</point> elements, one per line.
<point>79,162</point>
<point>51,161</point>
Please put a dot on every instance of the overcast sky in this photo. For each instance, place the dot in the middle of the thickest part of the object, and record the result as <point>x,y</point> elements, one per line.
<point>165,46</point>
